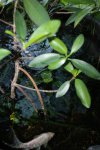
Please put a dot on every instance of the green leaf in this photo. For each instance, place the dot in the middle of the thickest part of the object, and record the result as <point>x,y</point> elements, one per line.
<point>64,2</point>
<point>36,12</point>
<point>86,68</point>
<point>20,25</point>
<point>44,60</point>
<point>9,32</point>
<point>79,15</point>
<point>77,43</point>
<point>72,18</point>
<point>82,93</point>
<point>89,2</point>
<point>98,3</point>
<point>47,76</point>
<point>82,14</point>
<point>47,29</point>
<point>63,89</point>
<point>69,67</point>
<point>4,53</point>
<point>59,46</point>
<point>75,72</point>
<point>57,64</point>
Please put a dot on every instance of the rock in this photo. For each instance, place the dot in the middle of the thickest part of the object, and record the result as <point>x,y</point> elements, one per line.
<point>96,147</point>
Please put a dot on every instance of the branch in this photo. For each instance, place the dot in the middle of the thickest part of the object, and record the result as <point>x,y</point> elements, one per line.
<point>64,12</point>
<point>6,23</point>
<point>44,91</point>
<point>14,25</point>
<point>27,96</point>
<point>15,79</point>
<point>17,61</point>
<point>34,84</point>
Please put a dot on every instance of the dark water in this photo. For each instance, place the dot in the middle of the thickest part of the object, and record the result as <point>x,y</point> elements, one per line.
<point>75,127</point>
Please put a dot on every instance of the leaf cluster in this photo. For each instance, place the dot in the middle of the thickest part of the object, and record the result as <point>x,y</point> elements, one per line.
<point>60,57</point>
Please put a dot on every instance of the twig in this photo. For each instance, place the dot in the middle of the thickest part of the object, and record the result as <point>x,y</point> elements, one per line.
<point>44,91</point>
<point>17,61</point>
<point>63,12</point>
<point>14,79</point>
<point>14,84</point>
<point>27,96</point>
<point>27,58</point>
<point>6,23</point>
<point>14,25</point>
<point>73,78</point>
<point>15,7</point>
<point>34,84</point>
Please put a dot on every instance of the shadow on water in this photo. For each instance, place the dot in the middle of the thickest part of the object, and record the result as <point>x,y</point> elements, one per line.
<point>75,127</point>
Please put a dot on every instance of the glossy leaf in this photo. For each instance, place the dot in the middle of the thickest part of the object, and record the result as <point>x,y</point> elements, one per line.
<point>59,46</point>
<point>57,64</point>
<point>9,32</point>
<point>89,2</point>
<point>20,25</point>
<point>47,29</point>
<point>86,68</point>
<point>4,53</point>
<point>75,72</point>
<point>81,15</point>
<point>36,11</point>
<point>74,9</point>
<point>63,89</point>
<point>72,18</point>
<point>82,93</point>
<point>69,67</point>
<point>77,43</point>
<point>64,2</point>
<point>44,60</point>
